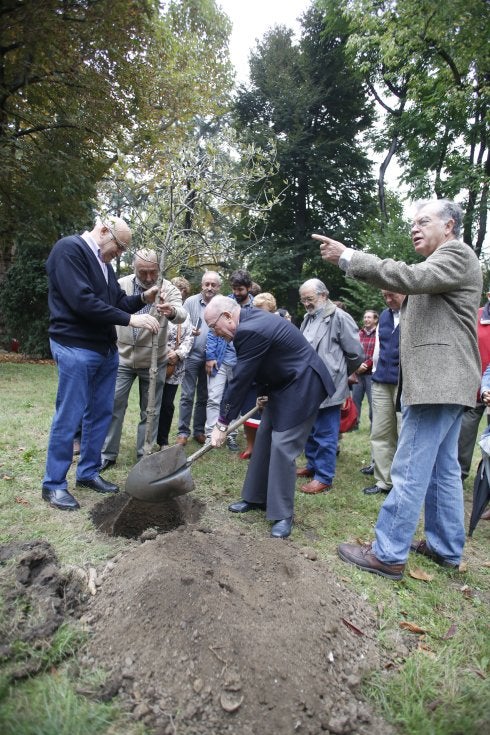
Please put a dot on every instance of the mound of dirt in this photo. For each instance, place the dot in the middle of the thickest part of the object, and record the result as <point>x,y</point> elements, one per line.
<point>210,631</point>
<point>36,599</point>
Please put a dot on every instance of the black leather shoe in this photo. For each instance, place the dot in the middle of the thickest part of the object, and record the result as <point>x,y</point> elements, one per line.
<point>60,499</point>
<point>106,463</point>
<point>282,529</point>
<point>99,485</point>
<point>243,506</point>
<point>368,470</point>
<point>374,490</point>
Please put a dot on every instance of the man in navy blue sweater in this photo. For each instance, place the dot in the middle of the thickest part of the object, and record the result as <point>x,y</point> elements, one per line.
<point>85,302</point>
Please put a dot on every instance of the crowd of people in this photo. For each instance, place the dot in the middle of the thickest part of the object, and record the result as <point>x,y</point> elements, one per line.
<point>418,363</point>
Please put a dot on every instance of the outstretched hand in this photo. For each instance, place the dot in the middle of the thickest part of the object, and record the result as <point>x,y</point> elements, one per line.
<point>330,250</point>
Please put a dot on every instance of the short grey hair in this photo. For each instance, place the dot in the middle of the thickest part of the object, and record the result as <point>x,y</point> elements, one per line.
<point>206,274</point>
<point>318,285</point>
<point>447,210</point>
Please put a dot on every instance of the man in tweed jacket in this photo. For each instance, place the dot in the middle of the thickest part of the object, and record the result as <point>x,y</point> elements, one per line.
<point>440,372</point>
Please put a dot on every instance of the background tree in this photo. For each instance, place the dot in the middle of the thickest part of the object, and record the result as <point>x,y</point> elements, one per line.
<point>82,81</point>
<point>428,66</point>
<point>311,101</point>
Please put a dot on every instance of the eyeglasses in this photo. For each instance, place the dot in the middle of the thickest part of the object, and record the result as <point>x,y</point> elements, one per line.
<point>309,299</point>
<point>213,326</point>
<point>120,245</point>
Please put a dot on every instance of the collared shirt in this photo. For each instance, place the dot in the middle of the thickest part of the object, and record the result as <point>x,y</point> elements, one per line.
<point>313,325</point>
<point>96,251</point>
<point>368,341</point>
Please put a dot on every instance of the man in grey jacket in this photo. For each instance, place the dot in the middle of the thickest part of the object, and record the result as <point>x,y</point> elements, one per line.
<point>440,373</point>
<point>134,347</point>
<point>334,336</point>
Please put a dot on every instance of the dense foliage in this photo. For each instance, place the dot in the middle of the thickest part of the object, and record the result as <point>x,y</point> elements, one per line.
<point>312,102</point>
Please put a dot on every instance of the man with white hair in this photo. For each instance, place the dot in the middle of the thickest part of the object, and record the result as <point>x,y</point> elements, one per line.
<point>273,353</point>
<point>85,302</point>
<point>440,374</point>
<point>334,336</point>
<point>135,348</point>
<point>194,392</point>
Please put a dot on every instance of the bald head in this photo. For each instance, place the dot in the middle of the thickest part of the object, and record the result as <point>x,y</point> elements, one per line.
<point>146,270</point>
<point>112,235</point>
<point>222,314</point>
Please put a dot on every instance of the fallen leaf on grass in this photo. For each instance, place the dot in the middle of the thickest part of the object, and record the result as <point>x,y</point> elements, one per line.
<point>418,573</point>
<point>426,649</point>
<point>21,449</point>
<point>412,627</point>
<point>479,673</point>
<point>21,501</point>
<point>7,477</point>
<point>434,704</point>
<point>467,592</point>
<point>451,632</point>
<point>352,627</point>
<point>486,564</point>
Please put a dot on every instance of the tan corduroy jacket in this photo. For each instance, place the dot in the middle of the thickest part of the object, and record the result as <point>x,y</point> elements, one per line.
<point>136,353</point>
<point>439,357</point>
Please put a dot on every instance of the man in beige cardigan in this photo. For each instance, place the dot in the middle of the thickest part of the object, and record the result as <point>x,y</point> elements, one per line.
<point>440,373</point>
<point>134,347</point>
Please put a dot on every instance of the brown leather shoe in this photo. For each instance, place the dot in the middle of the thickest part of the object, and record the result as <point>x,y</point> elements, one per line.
<point>200,438</point>
<point>485,516</point>
<point>181,439</point>
<point>420,547</point>
<point>304,472</point>
<point>363,557</point>
<point>314,487</point>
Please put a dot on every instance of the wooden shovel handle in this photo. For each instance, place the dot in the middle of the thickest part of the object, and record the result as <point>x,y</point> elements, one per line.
<point>234,425</point>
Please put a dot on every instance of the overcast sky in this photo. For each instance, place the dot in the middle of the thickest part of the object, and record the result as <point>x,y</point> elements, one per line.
<point>251,19</point>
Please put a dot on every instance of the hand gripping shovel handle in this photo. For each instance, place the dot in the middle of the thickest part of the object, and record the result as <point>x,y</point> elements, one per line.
<point>234,425</point>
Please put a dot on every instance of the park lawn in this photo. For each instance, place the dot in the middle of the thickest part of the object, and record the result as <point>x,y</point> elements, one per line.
<point>434,681</point>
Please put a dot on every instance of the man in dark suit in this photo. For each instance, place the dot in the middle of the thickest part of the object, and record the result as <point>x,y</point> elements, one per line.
<point>287,370</point>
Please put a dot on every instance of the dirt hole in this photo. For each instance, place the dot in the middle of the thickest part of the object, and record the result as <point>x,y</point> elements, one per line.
<point>121,515</point>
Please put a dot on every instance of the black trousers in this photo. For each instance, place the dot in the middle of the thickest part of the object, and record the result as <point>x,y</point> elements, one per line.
<point>167,409</point>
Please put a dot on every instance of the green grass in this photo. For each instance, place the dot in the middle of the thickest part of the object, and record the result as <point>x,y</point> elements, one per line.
<point>434,683</point>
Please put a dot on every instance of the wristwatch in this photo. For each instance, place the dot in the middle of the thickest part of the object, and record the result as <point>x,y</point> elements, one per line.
<point>221,427</point>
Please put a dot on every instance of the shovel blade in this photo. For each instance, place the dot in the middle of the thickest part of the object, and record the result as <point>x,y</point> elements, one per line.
<point>160,476</point>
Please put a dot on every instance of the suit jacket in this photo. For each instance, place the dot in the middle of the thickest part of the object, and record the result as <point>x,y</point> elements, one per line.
<point>338,345</point>
<point>274,353</point>
<point>439,356</point>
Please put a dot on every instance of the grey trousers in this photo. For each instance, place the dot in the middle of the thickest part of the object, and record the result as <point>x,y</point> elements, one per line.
<point>271,474</point>
<point>195,382</point>
<point>124,381</point>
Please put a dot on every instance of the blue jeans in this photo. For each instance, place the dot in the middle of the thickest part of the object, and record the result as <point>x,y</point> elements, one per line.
<point>86,382</point>
<point>359,390</point>
<point>425,468</point>
<point>321,445</point>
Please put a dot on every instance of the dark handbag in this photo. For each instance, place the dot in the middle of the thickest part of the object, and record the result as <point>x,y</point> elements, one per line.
<point>348,415</point>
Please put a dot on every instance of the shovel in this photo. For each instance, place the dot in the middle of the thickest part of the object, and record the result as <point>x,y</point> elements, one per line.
<point>166,474</point>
